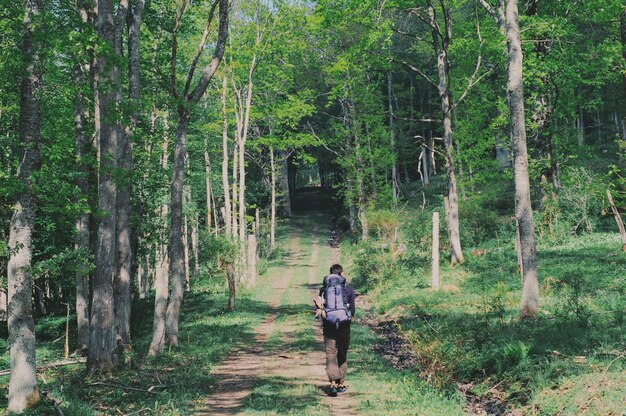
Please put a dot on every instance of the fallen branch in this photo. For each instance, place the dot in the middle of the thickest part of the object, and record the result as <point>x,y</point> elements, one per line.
<point>145,409</point>
<point>622,355</point>
<point>50,365</point>
<point>55,402</point>
<point>120,386</point>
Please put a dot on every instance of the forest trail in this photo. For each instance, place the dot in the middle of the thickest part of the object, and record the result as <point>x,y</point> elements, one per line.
<point>283,372</point>
<point>272,356</point>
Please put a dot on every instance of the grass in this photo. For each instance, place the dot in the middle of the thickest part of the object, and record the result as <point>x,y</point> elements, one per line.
<point>470,333</point>
<point>207,333</point>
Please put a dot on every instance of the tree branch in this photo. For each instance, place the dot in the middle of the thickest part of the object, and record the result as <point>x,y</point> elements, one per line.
<point>498,16</point>
<point>209,70</point>
<point>473,80</point>
<point>418,71</point>
<point>179,17</point>
<point>203,39</point>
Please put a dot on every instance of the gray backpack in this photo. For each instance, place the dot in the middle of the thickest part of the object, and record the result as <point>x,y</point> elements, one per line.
<point>336,297</point>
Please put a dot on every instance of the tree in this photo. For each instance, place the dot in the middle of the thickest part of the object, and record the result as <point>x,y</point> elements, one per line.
<point>23,390</point>
<point>507,17</point>
<point>101,356</point>
<point>124,259</point>
<point>187,99</point>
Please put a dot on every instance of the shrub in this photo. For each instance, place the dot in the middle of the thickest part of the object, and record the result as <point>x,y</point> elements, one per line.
<point>576,207</point>
<point>477,224</point>
<point>385,223</point>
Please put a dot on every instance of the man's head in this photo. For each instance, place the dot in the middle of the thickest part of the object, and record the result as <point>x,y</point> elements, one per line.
<point>336,269</point>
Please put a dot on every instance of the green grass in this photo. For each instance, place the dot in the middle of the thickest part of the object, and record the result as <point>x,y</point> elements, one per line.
<point>472,334</point>
<point>207,333</point>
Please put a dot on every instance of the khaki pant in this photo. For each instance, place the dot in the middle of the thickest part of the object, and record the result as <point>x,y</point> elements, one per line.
<point>336,343</point>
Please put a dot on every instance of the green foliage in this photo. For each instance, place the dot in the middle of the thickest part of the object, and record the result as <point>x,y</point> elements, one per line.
<point>576,207</point>
<point>477,224</point>
<point>384,223</point>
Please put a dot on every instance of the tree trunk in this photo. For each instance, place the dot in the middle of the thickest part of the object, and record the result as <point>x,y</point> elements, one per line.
<point>176,254</point>
<point>234,214</point>
<point>207,184</point>
<point>441,49</point>
<point>273,212</point>
<point>435,252</point>
<point>502,153</point>
<point>123,285</point>
<point>102,334</point>
<point>392,139</point>
<point>82,238</point>
<point>523,208</point>
<point>618,219</point>
<point>195,246</point>
<point>251,250</point>
<point>622,25</point>
<point>285,197</point>
<point>230,275</point>
<point>23,390</point>
<point>225,181</point>
<point>580,127</point>
<point>3,304</point>
<point>352,208</point>
<point>161,280</point>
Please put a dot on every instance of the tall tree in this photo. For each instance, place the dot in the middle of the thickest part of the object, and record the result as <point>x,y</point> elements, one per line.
<point>102,344</point>
<point>23,390</point>
<point>507,17</point>
<point>187,99</point>
<point>123,275</point>
<point>83,234</point>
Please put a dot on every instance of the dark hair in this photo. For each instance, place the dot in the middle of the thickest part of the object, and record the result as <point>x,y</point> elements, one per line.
<point>336,269</point>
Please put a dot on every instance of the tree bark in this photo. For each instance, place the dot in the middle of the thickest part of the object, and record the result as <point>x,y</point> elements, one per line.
<point>273,212</point>
<point>225,180</point>
<point>195,247</point>
<point>622,25</point>
<point>83,235</point>
<point>285,189</point>
<point>440,44</point>
<point>392,139</point>
<point>124,261</point>
<point>161,281</point>
<point>523,208</point>
<point>435,252</point>
<point>23,390</point>
<point>230,275</point>
<point>207,184</point>
<point>176,254</point>
<point>102,335</point>
<point>190,98</point>
<point>251,251</point>
<point>618,219</point>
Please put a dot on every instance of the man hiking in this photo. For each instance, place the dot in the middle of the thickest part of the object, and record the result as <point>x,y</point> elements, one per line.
<point>339,308</point>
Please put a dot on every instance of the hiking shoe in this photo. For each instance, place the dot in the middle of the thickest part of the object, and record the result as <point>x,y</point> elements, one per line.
<point>333,391</point>
<point>341,389</point>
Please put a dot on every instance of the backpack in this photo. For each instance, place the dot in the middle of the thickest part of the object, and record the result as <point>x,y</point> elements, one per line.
<point>336,297</point>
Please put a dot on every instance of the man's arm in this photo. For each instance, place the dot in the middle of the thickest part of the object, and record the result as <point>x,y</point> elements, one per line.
<point>351,300</point>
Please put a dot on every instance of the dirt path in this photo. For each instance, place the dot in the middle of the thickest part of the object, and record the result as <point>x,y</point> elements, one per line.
<point>237,376</point>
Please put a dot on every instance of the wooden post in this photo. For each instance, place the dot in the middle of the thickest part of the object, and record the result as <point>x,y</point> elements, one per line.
<point>251,260</point>
<point>257,222</point>
<point>435,257</point>
<point>618,219</point>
